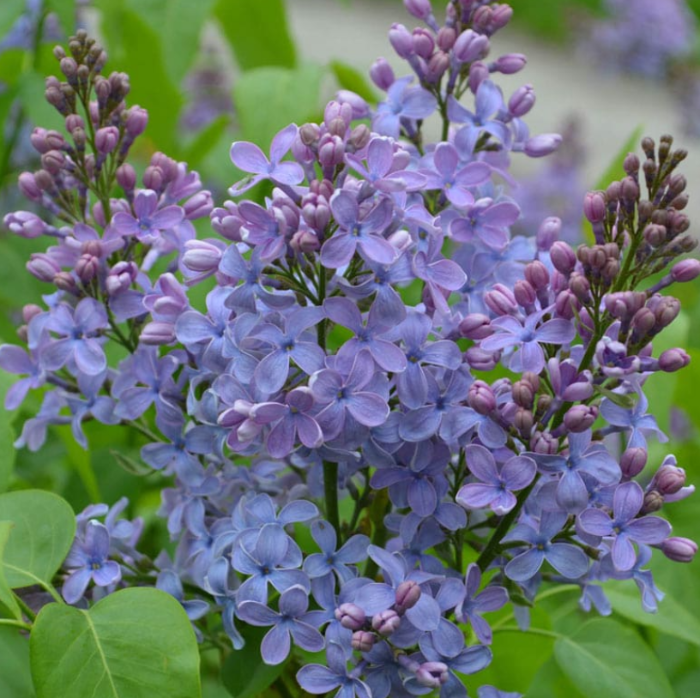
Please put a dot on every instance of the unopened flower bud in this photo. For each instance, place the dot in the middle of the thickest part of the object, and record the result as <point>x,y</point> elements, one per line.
<point>523,394</point>
<point>437,65</point>
<point>407,595</point>
<point>478,72</point>
<point>580,418</point>
<point>501,300</point>
<point>432,674</point>
<point>481,397</point>
<point>685,270</point>
<point>350,616</point>
<point>359,137</point>
<point>29,311</point>
<point>470,46</point>
<point>305,242</point>
<point>653,501</point>
<point>580,287</point>
<point>475,327</point>
<point>158,333</point>
<point>522,101</point>
<point>563,257</point>
<point>331,150</point>
<point>136,121</point>
<point>121,277</point>
<point>669,479</point>
<point>594,207</point>
<point>401,40</point>
<point>386,622</point>
<point>198,205</point>
<point>542,145</point>
<point>481,360</point>
<point>423,43</point>
<point>201,256</point>
<point>86,268</point>
<point>446,38</point>
<point>53,161</point>
<point>674,359</point>
<point>65,282</point>
<point>43,267</point>
<point>421,9</point>
<point>679,549</point>
<point>523,420</point>
<point>544,443</point>
<point>633,461</point>
<point>25,224</point>
<point>536,274</point>
<point>363,640</point>
<point>511,63</point>
<point>126,177</point>
<point>382,75</point>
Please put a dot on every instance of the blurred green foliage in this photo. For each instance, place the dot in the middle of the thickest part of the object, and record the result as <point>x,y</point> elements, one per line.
<point>566,653</point>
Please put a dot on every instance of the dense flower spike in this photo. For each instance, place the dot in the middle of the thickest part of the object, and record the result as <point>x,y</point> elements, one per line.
<point>352,316</point>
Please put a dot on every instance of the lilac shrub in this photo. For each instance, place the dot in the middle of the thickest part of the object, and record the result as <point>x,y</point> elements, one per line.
<point>464,430</point>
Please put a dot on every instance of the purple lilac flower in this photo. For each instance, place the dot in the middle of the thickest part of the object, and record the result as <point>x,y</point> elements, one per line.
<point>403,102</point>
<point>474,604</point>
<point>526,338</point>
<point>489,102</point>
<point>488,220</point>
<point>497,485</point>
<point>319,680</point>
<point>636,420</point>
<point>250,159</point>
<point>624,526</point>
<point>16,360</point>
<point>148,220</point>
<point>331,559</point>
<point>276,644</point>
<point>568,559</point>
<point>88,560</point>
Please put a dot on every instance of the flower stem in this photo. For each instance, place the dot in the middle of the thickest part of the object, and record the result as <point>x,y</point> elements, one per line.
<point>330,491</point>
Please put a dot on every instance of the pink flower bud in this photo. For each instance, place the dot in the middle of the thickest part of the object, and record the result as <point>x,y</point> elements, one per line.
<point>136,121</point>
<point>28,187</point>
<point>481,360</point>
<point>446,38</point>
<point>594,207</point>
<point>432,674</point>
<point>382,74</point>
<point>106,139</point>
<point>305,242</point>
<point>501,300</point>
<point>43,267</point>
<point>407,595</point>
<point>536,274</point>
<point>226,221</point>
<point>475,327</point>
<point>481,397</point>
<point>350,616</point>
<point>29,311</point>
<point>544,443</point>
<point>199,205</point>
<point>566,304</point>
<point>25,224</point>
<point>669,479</point>
<point>548,233</point>
<point>363,640</point>
<point>158,333</point>
<point>580,418</point>
<point>126,177</point>
<point>522,101</point>
<point>331,150</point>
<point>201,256</point>
<point>401,39</point>
<point>86,268</point>
<point>423,43</point>
<point>121,277</point>
<point>386,622</point>
<point>420,9</point>
<point>478,72</point>
<point>679,549</point>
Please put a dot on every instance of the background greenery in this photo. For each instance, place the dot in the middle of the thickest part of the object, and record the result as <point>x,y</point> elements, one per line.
<point>266,85</point>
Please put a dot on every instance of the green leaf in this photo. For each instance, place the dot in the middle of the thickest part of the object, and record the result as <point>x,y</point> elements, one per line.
<point>267,99</point>
<point>39,111</point>
<point>205,140</point>
<point>672,617</point>
<point>257,676</point>
<point>550,682</point>
<point>350,78</point>
<point>179,23</point>
<point>10,10</point>
<point>15,677</point>
<point>65,11</point>
<point>257,32</point>
<point>623,400</point>
<point>8,453</point>
<point>136,642</point>
<point>607,659</point>
<point>6,596</point>
<point>40,540</point>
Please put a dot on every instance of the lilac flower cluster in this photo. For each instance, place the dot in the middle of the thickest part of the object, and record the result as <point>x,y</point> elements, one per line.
<point>308,379</point>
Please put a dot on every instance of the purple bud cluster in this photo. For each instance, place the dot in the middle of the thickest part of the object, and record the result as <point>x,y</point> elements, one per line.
<point>309,378</point>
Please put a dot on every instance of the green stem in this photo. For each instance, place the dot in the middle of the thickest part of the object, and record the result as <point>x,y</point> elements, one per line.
<point>557,590</point>
<point>330,492</point>
<point>531,630</point>
<point>16,623</point>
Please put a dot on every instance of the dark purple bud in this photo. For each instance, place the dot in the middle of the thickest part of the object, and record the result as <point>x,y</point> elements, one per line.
<point>401,40</point>
<point>28,187</point>
<point>522,101</point>
<point>106,139</point>
<point>580,418</point>
<point>633,461</point>
<point>121,277</point>
<point>359,137</point>
<point>563,257</point>
<point>69,67</point>
<point>674,359</point>
<point>631,164</point>
<point>594,207</point>
<point>153,178</point>
<point>478,72</point>
<point>432,674</point>
<point>226,222</point>
<point>126,177</point>
<point>363,641</point>
<point>65,282</point>
<point>73,122</point>
<point>338,110</point>
<point>643,321</point>
<point>437,65</point>
<point>305,242</point>
<point>386,622</point>
<point>669,479</point>
<point>481,397</point>
<point>407,595</point>
<point>136,121</point>
<point>29,311</point>
<point>523,394</point>
<point>685,270</point>
<point>614,192</point>
<point>475,327</point>
<point>309,134</point>
<point>481,360</point>
<point>544,443</point>
<point>666,311</point>
<point>548,233</point>
<point>331,150</point>
<point>542,145</point>
<point>86,268</point>
<point>580,287</point>
<point>158,333</point>
<point>511,63</point>
<point>350,616</point>
<point>501,300</point>
<point>420,9</point>
<point>52,161</point>
<point>501,16</point>
<point>566,304</point>
<point>524,294</point>
<point>446,38</point>
<point>653,502</point>
<point>423,43</point>
<point>629,189</point>
<point>536,274</point>
<point>655,235</point>
<point>470,46</point>
<point>382,75</point>
<point>523,420</point>
<point>679,549</point>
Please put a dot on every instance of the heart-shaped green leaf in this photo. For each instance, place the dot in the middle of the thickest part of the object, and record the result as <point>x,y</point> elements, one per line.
<point>6,597</point>
<point>136,642</point>
<point>44,527</point>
